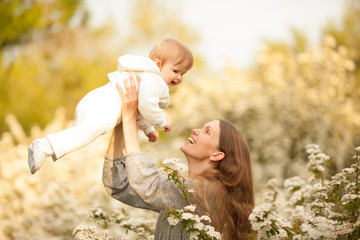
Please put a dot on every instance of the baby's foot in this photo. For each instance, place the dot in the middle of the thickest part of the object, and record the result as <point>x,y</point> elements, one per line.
<point>37,151</point>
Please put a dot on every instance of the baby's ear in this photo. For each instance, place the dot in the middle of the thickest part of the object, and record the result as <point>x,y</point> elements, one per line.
<point>157,62</point>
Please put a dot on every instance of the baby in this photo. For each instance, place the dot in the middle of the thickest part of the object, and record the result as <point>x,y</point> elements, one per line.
<point>99,111</point>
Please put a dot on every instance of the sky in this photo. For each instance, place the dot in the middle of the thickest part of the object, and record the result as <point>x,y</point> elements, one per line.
<point>234,30</point>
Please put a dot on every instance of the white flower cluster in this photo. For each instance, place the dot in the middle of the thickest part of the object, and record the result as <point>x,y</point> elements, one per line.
<point>174,164</point>
<point>264,220</point>
<point>272,183</point>
<point>198,227</point>
<point>326,209</point>
<point>85,233</point>
<point>293,184</point>
<point>141,227</point>
<point>270,196</point>
<point>317,159</point>
<point>319,228</point>
<point>348,198</point>
<point>299,196</point>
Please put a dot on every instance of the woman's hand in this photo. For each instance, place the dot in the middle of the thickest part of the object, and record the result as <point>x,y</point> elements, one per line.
<point>129,107</point>
<point>129,112</point>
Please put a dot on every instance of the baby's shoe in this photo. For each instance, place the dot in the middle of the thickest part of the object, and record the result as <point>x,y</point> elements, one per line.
<point>37,151</point>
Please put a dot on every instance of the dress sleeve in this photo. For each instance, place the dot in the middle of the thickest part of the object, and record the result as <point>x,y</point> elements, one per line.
<point>135,180</point>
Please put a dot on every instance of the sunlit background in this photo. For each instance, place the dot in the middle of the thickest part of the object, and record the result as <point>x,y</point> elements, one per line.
<point>286,73</point>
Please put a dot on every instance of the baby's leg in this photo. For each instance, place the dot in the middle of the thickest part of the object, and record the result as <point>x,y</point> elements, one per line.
<point>96,114</point>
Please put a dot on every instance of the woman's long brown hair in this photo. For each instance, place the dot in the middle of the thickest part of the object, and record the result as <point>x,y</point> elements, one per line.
<point>230,187</point>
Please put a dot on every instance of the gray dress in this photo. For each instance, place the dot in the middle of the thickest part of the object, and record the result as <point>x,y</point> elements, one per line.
<point>134,180</point>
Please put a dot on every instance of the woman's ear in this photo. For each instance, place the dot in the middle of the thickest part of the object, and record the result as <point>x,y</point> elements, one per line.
<point>157,62</point>
<point>217,156</point>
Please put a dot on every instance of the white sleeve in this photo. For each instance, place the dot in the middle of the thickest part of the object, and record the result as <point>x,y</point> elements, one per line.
<point>153,93</point>
<point>144,125</point>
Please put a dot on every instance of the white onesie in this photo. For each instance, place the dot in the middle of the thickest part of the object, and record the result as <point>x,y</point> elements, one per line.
<point>100,110</point>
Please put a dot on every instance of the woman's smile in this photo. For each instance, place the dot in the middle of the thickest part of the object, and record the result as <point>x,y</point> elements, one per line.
<point>191,140</point>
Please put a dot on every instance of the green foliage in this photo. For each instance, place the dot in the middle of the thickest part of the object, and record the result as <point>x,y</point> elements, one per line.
<point>19,19</point>
<point>29,31</point>
<point>51,58</point>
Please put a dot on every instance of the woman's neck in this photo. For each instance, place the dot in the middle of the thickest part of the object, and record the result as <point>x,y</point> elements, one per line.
<point>197,167</point>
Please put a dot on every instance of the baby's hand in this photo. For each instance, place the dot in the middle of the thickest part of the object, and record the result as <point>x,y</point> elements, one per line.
<point>153,136</point>
<point>167,126</point>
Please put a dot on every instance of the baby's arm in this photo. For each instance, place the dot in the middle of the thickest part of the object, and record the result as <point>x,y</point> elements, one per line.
<point>153,93</point>
<point>148,130</point>
<point>168,126</point>
<point>153,136</point>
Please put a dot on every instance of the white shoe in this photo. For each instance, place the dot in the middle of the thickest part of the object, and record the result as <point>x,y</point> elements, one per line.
<point>31,159</point>
<point>37,152</point>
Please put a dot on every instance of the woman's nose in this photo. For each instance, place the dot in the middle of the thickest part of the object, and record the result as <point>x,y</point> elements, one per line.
<point>195,131</point>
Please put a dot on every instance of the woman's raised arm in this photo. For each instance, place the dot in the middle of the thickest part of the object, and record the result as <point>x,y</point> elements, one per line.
<point>134,179</point>
<point>116,145</point>
<point>129,112</point>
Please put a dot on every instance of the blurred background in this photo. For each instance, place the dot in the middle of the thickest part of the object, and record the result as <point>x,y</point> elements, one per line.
<point>286,73</point>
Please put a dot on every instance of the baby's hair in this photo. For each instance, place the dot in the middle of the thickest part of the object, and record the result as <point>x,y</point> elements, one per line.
<point>172,49</point>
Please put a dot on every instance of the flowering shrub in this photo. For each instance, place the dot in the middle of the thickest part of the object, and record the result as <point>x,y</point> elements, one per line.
<point>143,229</point>
<point>320,208</point>
<point>198,227</point>
<point>56,199</point>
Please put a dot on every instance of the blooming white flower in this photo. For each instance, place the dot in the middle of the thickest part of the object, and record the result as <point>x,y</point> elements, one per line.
<point>210,230</point>
<point>314,207</point>
<point>192,191</point>
<point>272,183</point>
<point>98,212</point>
<point>320,227</point>
<point>348,171</point>
<point>190,208</point>
<point>348,198</point>
<point>199,226</point>
<point>312,149</point>
<point>173,220</point>
<point>270,196</point>
<point>298,214</point>
<point>194,235</point>
<point>187,216</point>
<point>293,184</point>
<point>298,237</point>
<point>217,235</point>
<point>175,164</point>
<point>205,218</point>
<point>282,233</point>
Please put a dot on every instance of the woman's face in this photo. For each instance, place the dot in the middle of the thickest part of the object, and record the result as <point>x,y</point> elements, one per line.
<point>203,142</point>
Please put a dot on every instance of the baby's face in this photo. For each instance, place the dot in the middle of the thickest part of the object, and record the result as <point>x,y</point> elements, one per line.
<point>173,74</point>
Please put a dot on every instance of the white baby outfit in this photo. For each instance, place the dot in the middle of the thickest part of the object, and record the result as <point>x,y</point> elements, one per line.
<point>100,110</point>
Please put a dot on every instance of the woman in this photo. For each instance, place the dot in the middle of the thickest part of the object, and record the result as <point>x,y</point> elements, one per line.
<point>218,162</point>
